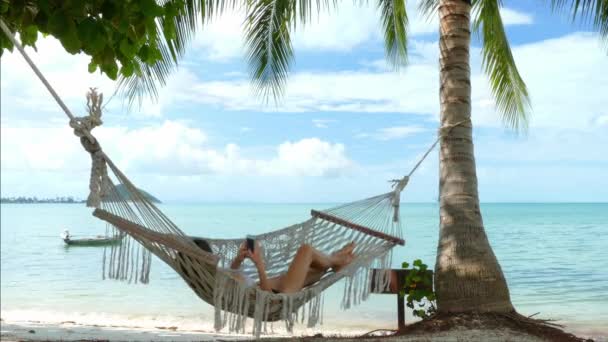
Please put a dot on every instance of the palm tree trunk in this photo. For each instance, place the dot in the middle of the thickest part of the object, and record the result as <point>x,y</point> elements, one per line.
<point>468,277</point>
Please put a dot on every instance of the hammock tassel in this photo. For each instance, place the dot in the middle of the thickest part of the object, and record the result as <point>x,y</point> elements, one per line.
<point>98,174</point>
<point>399,185</point>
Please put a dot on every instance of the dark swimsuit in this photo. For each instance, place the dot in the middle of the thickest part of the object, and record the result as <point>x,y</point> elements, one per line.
<point>275,291</point>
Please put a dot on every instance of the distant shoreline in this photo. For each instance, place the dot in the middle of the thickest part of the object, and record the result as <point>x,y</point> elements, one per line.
<point>80,202</point>
<point>34,200</point>
<point>205,202</point>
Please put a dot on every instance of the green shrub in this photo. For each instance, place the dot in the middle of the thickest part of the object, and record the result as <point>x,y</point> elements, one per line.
<point>418,287</point>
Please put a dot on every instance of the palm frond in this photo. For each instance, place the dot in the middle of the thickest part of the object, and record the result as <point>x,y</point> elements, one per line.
<point>147,79</point>
<point>394,24</point>
<point>507,86</point>
<point>428,8</point>
<point>269,24</point>
<point>269,47</point>
<point>305,9</point>
<point>594,11</point>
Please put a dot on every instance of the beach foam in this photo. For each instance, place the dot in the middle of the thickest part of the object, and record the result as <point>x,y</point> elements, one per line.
<point>203,324</point>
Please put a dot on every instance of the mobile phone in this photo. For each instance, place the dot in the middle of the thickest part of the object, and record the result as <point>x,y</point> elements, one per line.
<point>250,243</point>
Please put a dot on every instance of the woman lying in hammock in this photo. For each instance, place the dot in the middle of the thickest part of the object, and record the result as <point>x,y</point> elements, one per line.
<point>306,268</point>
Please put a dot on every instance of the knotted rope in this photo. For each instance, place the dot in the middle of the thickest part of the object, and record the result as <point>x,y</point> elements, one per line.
<point>82,128</point>
<point>399,184</point>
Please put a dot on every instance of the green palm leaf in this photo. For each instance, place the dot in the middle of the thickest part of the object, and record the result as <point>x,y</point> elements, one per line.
<point>269,47</point>
<point>269,24</point>
<point>428,8</point>
<point>507,86</point>
<point>172,42</point>
<point>394,24</point>
<point>594,11</point>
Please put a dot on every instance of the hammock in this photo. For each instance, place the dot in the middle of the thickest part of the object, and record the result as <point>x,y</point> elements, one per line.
<point>373,224</point>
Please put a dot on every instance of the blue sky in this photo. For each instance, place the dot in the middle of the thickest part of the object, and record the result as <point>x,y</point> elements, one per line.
<point>346,124</point>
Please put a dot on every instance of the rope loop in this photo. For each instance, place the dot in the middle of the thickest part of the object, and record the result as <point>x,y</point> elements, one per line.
<point>445,130</point>
<point>99,173</point>
<point>91,147</point>
<point>399,184</point>
<point>82,128</point>
<point>84,125</point>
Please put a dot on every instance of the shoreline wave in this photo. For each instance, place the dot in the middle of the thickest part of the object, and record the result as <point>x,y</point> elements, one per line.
<point>179,323</point>
<point>204,325</point>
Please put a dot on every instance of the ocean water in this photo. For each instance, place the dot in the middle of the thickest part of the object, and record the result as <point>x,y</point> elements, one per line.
<point>554,256</point>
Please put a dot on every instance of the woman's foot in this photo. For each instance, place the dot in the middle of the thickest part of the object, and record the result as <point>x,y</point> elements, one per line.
<point>343,257</point>
<point>347,249</point>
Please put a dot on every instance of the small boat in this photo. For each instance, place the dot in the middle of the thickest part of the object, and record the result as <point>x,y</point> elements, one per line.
<point>94,241</point>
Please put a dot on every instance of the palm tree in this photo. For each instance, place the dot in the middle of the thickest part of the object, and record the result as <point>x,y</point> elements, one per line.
<point>468,276</point>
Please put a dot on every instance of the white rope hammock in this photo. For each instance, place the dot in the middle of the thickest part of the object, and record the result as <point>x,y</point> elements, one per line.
<point>372,223</point>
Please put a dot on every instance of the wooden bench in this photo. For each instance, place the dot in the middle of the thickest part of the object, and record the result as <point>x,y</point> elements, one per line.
<point>397,281</point>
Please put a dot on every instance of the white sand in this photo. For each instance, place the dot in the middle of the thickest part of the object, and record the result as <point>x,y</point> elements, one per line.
<point>32,331</point>
<point>72,332</point>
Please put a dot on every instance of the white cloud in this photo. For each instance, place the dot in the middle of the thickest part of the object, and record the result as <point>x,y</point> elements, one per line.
<point>222,37</point>
<point>513,17</point>
<point>392,133</point>
<point>602,120</point>
<point>561,75</point>
<point>170,148</point>
<point>334,91</point>
<point>565,87</point>
<point>66,73</point>
<point>545,146</point>
<point>308,157</point>
<point>342,29</point>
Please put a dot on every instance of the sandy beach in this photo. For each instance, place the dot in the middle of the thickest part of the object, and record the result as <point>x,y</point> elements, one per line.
<point>71,331</point>
<point>32,331</point>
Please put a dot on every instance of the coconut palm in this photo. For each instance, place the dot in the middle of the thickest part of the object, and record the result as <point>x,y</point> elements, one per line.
<point>468,276</point>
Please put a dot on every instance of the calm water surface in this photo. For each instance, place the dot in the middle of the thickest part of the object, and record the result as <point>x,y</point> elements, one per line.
<point>555,258</point>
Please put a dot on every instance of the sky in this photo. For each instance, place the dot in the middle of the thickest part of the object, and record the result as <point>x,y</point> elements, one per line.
<point>346,125</point>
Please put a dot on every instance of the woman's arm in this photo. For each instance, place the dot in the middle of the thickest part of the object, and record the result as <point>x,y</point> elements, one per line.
<point>238,259</point>
<point>264,283</point>
<point>258,259</point>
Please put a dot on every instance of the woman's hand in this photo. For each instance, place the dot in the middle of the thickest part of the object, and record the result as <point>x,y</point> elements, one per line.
<point>240,256</point>
<point>257,256</point>
<point>242,253</point>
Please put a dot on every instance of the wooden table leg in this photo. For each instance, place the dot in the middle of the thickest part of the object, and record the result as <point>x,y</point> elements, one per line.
<point>400,312</point>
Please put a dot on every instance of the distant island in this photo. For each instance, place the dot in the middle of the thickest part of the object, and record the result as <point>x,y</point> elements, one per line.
<point>34,200</point>
<point>121,189</point>
<point>123,193</point>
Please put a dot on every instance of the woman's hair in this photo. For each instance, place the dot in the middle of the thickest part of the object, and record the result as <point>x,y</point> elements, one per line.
<point>193,277</point>
<point>203,244</point>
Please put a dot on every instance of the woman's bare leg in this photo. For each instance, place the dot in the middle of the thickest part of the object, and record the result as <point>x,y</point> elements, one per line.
<point>309,264</point>
<point>313,276</point>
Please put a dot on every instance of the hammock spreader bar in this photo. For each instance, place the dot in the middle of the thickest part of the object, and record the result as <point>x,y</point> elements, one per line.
<point>362,229</point>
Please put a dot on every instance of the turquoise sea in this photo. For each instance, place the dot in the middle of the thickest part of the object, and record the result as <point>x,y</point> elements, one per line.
<point>555,258</point>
